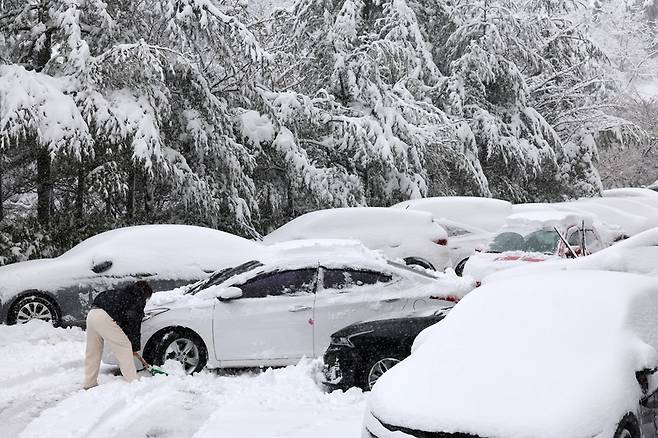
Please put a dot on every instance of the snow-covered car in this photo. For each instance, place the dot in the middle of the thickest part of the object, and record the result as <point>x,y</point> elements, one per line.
<point>463,241</point>
<point>653,186</point>
<point>482,213</point>
<point>566,354</point>
<point>62,289</point>
<point>637,255</point>
<point>398,234</point>
<point>275,310</point>
<point>532,237</point>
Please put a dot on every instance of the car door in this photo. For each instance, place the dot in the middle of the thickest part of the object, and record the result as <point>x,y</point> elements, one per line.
<point>271,323</point>
<point>345,296</point>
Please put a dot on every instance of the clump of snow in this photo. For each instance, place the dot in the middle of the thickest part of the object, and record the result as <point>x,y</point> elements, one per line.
<point>258,129</point>
<point>549,355</point>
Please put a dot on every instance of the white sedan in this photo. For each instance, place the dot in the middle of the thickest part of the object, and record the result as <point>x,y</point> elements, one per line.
<point>276,310</point>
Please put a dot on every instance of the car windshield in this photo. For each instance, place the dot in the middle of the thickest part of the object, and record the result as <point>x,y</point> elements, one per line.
<point>223,275</point>
<point>544,241</point>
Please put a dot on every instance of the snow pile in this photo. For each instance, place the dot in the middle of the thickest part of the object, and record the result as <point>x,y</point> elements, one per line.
<point>486,213</point>
<point>41,397</point>
<point>550,355</point>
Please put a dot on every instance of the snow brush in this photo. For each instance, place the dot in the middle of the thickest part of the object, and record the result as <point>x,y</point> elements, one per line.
<point>151,368</point>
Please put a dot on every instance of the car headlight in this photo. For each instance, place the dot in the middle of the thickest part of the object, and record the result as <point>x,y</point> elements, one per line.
<point>148,314</point>
<point>346,341</point>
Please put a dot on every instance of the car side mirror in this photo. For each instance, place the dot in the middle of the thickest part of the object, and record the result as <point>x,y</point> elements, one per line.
<point>649,382</point>
<point>102,266</point>
<point>230,293</point>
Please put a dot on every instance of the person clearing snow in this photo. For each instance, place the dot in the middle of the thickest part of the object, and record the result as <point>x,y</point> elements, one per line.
<point>116,317</point>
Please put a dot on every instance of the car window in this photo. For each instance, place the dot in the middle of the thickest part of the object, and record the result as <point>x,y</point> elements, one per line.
<point>574,238</point>
<point>221,276</point>
<point>454,231</point>
<point>348,278</point>
<point>592,241</point>
<point>291,283</point>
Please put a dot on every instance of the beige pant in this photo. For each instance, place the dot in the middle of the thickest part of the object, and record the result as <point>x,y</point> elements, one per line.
<point>100,328</point>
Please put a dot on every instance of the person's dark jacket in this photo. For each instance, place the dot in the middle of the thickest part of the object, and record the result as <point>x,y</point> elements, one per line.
<point>126,308</point>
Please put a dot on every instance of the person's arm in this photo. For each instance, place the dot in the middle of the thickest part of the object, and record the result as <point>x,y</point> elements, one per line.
<point>132,322</point>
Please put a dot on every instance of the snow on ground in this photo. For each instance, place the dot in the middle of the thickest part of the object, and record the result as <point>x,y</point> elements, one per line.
<point>41,371</point>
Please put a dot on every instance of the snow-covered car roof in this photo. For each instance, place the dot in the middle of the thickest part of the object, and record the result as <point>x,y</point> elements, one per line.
<point>171,251</point>
<point>374,226</point>
<point>638,254</point>
<point>548,219</point>
<point>629,192</point>
<point>627,222</point>
<point>485,213</point>
<point>549,355</point>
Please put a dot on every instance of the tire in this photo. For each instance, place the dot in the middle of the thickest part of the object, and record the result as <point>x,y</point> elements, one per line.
<point>184,346</point>
<point>628,427</point>
<point>412,261</point>
<point>376,368</point>
<point>459,269</point>
<point>32,307</point>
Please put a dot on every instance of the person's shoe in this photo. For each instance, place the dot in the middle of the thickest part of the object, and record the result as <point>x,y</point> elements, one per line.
<point>89,387</point>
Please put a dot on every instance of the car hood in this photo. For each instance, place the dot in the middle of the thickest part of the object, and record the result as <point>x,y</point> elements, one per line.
<point>43,274</point>
<point>425,318</point>
<point>482,264</point>
<point>526,359</point>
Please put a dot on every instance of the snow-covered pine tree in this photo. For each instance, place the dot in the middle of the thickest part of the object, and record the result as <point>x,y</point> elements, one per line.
<point>147,97</point>
<point>356,100</point>
<point>490,50</point>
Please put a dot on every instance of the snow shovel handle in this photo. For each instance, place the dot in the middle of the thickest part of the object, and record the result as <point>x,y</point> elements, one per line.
<point>141,359</point>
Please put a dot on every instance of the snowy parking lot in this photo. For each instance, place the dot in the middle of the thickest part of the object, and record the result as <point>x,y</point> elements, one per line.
<point>41,373</point>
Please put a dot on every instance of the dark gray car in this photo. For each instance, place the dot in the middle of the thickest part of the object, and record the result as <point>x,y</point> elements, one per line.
<point>61,289</point>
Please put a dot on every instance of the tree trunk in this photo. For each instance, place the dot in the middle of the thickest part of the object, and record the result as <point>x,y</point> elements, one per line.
<point>130,202</point>
<point>80,194</point>
<point>44,187</point>
<point>2,196</point>
<point>148,198</point>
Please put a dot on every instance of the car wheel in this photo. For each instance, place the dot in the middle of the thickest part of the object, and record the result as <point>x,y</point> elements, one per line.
<point>412,261</point>
<point>377,367</point>
<point>628,427</point>
<point>459,269</point>
<point>34,307</point>
<point>183,346</point>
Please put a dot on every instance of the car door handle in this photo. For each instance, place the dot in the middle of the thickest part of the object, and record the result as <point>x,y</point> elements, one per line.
<point>391,300</point>
<point>299,308</point>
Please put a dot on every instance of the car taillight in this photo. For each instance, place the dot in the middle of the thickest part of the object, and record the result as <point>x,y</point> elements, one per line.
<point>442,242</point>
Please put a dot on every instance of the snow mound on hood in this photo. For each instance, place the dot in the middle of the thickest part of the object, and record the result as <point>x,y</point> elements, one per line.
<point>550,355</point>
